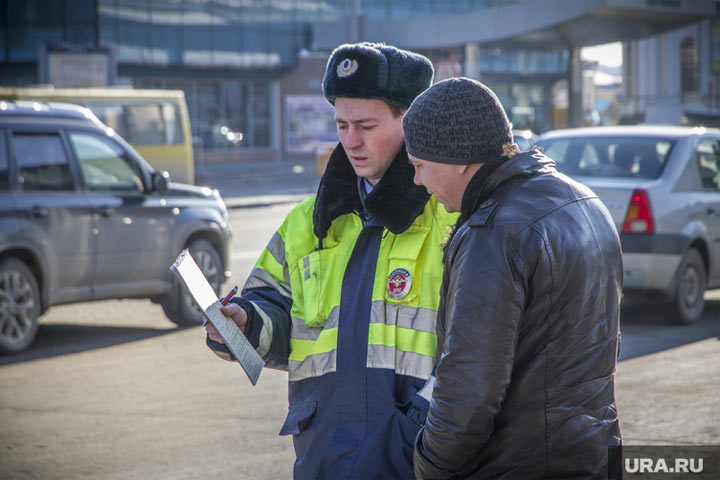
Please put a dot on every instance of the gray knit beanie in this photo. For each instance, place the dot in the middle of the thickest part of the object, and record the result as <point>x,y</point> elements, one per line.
<point>458,121</point>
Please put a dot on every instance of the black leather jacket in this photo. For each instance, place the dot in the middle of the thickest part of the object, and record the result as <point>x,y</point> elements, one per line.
<point>527,333</point>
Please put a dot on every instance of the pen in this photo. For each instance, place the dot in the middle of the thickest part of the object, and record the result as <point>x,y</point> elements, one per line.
<point>229,296</point>
<point>224,301</point>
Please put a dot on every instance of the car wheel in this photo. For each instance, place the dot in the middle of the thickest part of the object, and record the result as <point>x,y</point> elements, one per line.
<point>179,307</point>
<point>690,289</point>
<point>19,306</point>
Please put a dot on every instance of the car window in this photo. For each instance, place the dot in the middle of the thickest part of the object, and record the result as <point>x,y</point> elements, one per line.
<point>112,115</point>
<point>104,164</point>
<point>556,149</point>
<point>589,157</point>
<point>42,162</point>
<point>148,123</point>
<point>4,163</point>
<point>708,162</point>
<point>632,157</point>
<point>145,124</point>
<point>173,129</point>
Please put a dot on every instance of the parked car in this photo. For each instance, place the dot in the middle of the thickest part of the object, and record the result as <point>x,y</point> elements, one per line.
<point>83,217</point>
<point>662,187</point>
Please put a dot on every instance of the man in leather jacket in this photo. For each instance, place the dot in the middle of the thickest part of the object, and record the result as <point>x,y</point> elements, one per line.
<point>528,321</point>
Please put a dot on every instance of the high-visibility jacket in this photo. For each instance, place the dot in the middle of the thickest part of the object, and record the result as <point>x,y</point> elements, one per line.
<point>349,308</point>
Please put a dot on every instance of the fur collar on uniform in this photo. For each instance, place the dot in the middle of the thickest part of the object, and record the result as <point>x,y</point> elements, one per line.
<point>395,201</point>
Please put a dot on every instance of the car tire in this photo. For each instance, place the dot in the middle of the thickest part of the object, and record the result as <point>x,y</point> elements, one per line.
<point>691,283</point>
<point>19,306</point>
<point>179,307</point>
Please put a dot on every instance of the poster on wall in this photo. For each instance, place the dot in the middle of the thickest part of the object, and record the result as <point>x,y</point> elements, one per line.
<point>73,66</point>
<point>310,122</point>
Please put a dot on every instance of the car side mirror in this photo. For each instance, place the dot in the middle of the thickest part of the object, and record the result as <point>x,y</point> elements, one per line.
<point>160,181</point>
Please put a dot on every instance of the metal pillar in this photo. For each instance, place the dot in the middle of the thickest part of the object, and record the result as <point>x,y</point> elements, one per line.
<point>355,14</point>
<point>575,106</point>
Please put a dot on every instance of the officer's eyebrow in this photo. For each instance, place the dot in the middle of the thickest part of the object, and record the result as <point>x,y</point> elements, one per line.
<point>359,120</point>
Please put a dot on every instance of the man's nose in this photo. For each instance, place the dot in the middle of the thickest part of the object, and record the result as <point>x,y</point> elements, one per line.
<point>352,139</point>
<point>416,178</point>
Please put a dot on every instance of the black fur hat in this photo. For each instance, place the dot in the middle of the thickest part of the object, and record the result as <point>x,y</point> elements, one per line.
<point>376,71</point>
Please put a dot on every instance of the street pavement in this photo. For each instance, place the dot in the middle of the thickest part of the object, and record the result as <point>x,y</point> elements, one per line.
<point>672,376</point>
<point>252,184</point>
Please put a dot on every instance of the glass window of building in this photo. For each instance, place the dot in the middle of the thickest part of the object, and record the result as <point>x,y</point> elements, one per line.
<point>3,43</point>
<point>495,59</point>
<point>134,41</point>
<point>231,113</point>
<point>261,114</point>
<point>208,120</point>
<point>689,65</point>
<point>4,163</point>
<point>196,37</point>
<point>167,29</point>
<point>236,109</point>
<point>31,23</point>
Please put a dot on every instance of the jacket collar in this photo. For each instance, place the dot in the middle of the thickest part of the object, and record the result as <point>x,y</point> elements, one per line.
<point>493,175</point>
<point>395,201</point>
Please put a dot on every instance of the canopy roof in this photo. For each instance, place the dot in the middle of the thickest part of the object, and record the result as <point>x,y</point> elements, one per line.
<point>534,24</point>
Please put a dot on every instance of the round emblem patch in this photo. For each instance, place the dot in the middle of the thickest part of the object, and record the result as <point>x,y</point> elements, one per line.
<point>347,67</point>
<point>399,283</point>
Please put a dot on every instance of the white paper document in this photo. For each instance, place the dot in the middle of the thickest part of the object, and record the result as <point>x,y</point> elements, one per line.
<point>192,278</point>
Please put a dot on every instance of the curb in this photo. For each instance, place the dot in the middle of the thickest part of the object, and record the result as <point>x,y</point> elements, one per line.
<point>264,200</point>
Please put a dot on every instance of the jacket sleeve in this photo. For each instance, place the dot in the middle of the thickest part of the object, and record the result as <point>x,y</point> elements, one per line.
<point>266,298</point>
<point>483,309</point>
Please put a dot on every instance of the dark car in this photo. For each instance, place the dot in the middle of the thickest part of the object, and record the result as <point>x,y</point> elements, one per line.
<point>83,217</point>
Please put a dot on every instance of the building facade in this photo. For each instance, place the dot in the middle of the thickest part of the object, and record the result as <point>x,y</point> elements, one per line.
<point>674,78</point>
<point>255,66</point>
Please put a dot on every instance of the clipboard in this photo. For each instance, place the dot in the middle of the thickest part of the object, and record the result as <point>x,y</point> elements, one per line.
<point>195,283</point>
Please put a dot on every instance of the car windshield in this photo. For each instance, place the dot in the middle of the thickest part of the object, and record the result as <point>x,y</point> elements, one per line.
<point>630,157</point>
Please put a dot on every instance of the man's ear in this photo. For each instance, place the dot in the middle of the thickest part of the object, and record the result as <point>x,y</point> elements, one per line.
<point>469,169</point>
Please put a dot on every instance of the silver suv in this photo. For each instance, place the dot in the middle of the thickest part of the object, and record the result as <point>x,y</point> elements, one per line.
<point>662,187</point>
<point>83,217</point>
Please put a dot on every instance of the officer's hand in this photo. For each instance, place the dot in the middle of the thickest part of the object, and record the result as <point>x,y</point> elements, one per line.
<point>233,311</point>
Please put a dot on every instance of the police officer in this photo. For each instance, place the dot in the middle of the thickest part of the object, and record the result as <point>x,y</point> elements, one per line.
<point>345,295</point>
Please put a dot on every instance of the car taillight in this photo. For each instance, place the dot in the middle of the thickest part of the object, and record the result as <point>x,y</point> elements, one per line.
<point>639,217</point>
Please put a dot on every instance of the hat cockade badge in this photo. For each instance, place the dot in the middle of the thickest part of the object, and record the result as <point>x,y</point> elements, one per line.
<point>347,67</point>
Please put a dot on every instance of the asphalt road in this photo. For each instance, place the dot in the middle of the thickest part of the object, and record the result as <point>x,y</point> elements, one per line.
<point>112,390</point>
